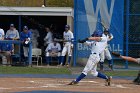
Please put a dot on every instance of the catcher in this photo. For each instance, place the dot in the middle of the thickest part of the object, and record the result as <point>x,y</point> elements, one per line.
<point>131,59</point>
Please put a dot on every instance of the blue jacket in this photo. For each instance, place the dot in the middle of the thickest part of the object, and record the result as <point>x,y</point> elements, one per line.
<point>23,35</point>
<point>6,47</point>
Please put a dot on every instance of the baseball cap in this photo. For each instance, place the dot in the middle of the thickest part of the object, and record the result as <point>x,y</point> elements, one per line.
<point>11,25</point>
<point>25,27</point>
<point>67,26</point>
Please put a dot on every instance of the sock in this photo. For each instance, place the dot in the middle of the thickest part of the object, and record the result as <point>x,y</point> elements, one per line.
<point>59,59</point>
<point>80,77</point>
<point>69,59</point>
<point>101,65</point>
<point>48,59</point>
<point>62,59</point>
<point>26,61</point>
<point>100,75</point>
<point>110,62</point>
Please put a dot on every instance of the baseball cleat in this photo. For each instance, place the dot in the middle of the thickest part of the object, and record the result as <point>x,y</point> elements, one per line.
<point>73,83</point>
<point>108,81</point>
<point>67,65</point>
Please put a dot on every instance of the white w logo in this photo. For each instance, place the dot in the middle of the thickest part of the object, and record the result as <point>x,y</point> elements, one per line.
<point>92,16</point>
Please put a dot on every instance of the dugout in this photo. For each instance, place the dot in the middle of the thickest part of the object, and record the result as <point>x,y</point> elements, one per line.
<point>37,18</point>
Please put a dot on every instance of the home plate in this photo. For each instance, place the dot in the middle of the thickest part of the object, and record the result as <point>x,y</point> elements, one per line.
<point>119,86</point>
<point>90,81</point>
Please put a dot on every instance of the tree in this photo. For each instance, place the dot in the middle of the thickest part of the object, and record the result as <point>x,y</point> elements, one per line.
<point>37,3</point>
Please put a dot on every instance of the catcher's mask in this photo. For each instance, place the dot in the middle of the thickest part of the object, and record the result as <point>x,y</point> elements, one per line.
<point>97,33</point>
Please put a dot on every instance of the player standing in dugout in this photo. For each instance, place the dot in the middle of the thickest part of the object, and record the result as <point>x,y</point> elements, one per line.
<point>67,46</point>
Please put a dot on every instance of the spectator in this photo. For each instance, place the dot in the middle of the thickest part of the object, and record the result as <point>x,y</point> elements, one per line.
<point>53,50</point>
<point>1,34</point>
<point>6,51</point>
<point>25,38</point>
<point>48,39</point>
<point>12,33</point>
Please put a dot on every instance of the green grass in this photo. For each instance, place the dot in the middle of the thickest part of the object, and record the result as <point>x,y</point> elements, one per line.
<point>41,70</point>
<point>32,70</point>
<point>121,73</point>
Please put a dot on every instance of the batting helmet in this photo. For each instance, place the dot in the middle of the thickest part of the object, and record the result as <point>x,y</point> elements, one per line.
<point>97,33</point>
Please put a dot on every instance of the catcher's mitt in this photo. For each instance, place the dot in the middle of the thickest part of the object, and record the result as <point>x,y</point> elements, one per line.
<point>116,54</point>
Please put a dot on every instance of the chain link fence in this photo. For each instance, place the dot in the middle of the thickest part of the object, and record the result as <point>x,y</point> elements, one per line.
<point>134,28</point>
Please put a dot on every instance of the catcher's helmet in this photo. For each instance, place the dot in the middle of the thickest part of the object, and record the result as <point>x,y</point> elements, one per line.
<point>97,33</point>
<point>106,30</point>
<point>67,26</point>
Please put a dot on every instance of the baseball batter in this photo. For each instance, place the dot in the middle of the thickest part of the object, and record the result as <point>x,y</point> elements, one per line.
<point>68,37</point>
<point>97,45</point>
<point>106,54</point>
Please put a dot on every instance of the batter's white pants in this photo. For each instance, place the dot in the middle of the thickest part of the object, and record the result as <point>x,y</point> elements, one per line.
<point>92,65</point>
<point>67,48</point>
<point>26,51</point>
<point>105,54</point>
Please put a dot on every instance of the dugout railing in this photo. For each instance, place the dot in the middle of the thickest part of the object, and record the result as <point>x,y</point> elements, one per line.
<point>18,42</point>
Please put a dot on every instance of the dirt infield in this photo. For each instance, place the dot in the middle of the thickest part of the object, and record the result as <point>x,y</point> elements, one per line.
<point>87,85</point>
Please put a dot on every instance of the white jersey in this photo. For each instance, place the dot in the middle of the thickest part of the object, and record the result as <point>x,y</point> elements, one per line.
<point>1,34</point>
<point>68,35</point>
<point>109,37</point>
<point>49,38</point>
<point>12,34</point>
<point>52,47</point>
<point>97,47</point>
